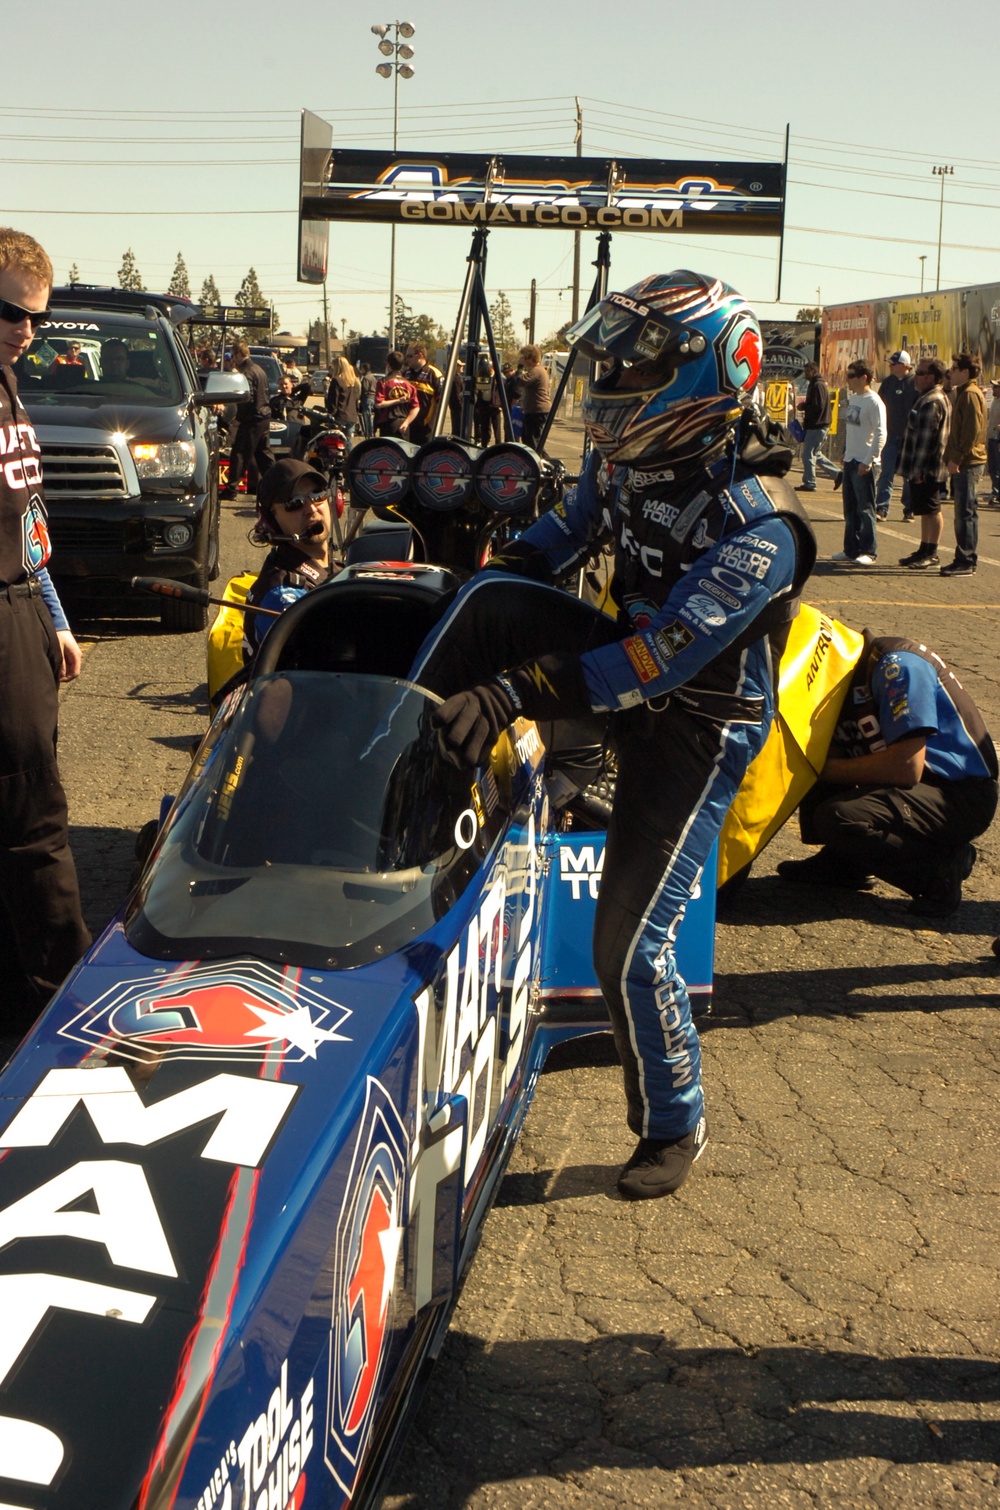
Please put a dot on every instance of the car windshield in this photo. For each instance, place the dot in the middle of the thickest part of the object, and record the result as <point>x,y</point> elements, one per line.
<point>320,826</point>
<point>86,360</point>
<point>271,368</point>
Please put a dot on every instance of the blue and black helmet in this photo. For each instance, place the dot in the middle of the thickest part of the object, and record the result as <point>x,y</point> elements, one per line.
<point>684,350</point>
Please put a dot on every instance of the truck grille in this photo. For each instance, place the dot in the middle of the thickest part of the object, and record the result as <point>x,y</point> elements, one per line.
<point>82,472</point>
<point>82,537</point>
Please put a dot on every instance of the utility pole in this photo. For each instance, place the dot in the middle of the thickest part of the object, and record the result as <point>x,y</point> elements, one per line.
<point>576,234</point>
<point>942,171</point>
<point>326,330</point>
<point>531,313</point>
<point>397,51</point>
<point>923,259</point>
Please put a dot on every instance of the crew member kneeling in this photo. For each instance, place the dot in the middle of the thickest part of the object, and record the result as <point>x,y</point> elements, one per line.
<point>709,561</point>
<point>910,781</point>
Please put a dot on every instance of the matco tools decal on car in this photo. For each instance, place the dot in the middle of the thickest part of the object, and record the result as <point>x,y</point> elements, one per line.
<point>237,1010</point>
<point>369,1235</point>
<point>106,1253</point>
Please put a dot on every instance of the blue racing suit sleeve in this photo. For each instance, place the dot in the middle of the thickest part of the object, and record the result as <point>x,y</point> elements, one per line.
<point>565,532</point>
<point>905,690</point>
<point>714,604</point>
<point>51,600</point>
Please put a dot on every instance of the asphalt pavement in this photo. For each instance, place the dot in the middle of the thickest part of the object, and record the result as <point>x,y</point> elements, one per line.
<point>813,1320</point>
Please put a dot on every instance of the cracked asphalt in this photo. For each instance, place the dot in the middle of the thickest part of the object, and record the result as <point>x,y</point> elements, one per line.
<point>813,1320</point>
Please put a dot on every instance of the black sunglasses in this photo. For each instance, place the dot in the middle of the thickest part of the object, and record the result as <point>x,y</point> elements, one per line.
<point>294,504</point>
<point>15,314</point>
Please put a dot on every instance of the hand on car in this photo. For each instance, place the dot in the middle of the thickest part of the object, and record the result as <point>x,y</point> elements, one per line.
<point>471,721</point>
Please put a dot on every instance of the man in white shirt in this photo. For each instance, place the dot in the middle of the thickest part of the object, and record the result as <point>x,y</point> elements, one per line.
<point>864,437</point>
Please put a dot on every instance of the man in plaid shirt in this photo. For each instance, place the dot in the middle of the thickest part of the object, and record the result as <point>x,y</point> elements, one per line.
<point>922,459</point>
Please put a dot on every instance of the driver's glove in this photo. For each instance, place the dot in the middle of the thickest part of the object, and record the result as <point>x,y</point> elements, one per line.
<point>519,559</point>
<point>470,723</point>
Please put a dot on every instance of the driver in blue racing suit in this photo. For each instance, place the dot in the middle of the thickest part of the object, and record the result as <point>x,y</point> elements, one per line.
<point>709,560</point>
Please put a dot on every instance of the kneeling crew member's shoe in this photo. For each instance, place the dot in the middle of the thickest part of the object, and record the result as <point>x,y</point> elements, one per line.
<point>943,895</point>
<point>826,869</point>
<point>658,1167</point>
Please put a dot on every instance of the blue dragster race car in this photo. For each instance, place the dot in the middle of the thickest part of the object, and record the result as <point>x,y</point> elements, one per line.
<point>249,1148</point>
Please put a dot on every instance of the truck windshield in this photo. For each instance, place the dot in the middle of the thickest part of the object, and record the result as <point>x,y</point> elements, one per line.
<point>83,360</point>
<point>320,827</point>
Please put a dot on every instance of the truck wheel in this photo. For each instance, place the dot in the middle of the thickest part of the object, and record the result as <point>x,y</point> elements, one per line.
<point>214,552</point>
<point>180,617</point>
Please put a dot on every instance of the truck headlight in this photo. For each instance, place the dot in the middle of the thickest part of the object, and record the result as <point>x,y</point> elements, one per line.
<point>166,461</point>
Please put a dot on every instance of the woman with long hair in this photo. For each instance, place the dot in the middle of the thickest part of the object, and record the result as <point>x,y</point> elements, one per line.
<point>342,396</point>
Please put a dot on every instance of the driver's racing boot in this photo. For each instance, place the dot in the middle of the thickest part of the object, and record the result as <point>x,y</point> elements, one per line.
<point>658,1167</point>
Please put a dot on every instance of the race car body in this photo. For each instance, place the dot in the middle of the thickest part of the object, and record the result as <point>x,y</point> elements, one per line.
<point>248,1150</point>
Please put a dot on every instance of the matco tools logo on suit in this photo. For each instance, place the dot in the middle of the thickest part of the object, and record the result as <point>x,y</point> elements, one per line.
<point>368,1240</point>
<point>237,1010</point>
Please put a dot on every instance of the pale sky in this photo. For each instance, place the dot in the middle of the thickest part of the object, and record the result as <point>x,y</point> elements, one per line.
<point>144,126</point>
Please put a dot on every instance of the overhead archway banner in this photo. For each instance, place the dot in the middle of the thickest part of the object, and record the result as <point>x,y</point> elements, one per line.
<point>555,193</point>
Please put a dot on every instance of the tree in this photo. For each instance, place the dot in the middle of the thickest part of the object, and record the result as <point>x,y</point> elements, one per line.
<point>251,296</point>
<point>556,340</point>
<point>411,327</point>
<point>503,325</point>
<point>128,274</point>
<point>210,292</point>
<point>324,334</point>
<point>180,283</point>
<point>813,314</point>
<point>74,275</point>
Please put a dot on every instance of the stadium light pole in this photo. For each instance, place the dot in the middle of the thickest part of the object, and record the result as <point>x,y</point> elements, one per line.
<point>400,52</point>
<point>942,170</point>
<point>922,260</point>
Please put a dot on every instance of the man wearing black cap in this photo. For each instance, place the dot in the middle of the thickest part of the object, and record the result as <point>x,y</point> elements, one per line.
<point>293,517</point>
<point>898,393</point>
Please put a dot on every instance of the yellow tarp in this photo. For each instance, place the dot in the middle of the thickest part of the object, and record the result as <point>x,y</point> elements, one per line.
<point>815,669</point>
<point>225,636</point>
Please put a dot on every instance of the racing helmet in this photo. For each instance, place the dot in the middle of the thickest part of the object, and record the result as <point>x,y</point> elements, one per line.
<point>684,349</point>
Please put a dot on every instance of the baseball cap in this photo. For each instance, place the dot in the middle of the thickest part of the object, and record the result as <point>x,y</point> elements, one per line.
<point>278,482</point>
<point>900,356</point>
<point>995,382</point>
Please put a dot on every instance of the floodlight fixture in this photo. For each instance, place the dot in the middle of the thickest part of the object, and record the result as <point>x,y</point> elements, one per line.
<point>406,29</point>
<point>384,70</point>
<point>406,71</point>
<point>380,31</point>
<point>405,51</point>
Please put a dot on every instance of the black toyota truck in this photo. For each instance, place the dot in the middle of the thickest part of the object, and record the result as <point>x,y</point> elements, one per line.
<point>129,443</point>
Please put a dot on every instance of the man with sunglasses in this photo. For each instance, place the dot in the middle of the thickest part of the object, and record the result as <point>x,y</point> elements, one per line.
<point>710,557</point>
<point>38,884</point>
<point>293,517</point>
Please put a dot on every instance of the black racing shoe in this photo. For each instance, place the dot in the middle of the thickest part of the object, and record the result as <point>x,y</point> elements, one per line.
<point>825,869</point>
<point>920,558</point>
<point>658,1167</point>
<point>959,569</point>
<point>944,894</point>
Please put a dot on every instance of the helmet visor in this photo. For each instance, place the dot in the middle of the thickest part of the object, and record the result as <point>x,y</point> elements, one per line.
<point>622,329</point>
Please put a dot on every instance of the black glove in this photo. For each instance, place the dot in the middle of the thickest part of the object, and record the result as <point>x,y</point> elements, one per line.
<point>552,686</point>
<point>519,559</point>
<point>471,721</point>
